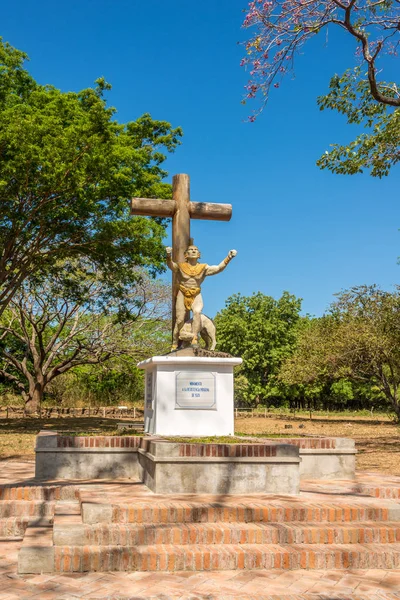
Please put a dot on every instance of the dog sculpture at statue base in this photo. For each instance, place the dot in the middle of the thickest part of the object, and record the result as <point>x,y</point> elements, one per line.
<point>207,333</point>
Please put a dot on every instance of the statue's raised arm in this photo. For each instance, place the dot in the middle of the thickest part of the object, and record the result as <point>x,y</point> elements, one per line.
<point>214,269</point>
<point>170,263</point>
<point>190,275</point>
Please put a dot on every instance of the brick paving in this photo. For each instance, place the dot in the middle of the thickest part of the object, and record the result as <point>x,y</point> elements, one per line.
<point>276,584</point>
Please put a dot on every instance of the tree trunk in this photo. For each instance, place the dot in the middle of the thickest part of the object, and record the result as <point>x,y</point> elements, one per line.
<point>396,408</point>
<point>393,399</point>
<point>34,399</point>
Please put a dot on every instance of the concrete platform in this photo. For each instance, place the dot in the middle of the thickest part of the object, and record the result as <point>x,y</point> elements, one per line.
<point>248,465</point>
<point>171,468</point>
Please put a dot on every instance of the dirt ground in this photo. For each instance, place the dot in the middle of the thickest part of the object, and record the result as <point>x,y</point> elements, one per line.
<point>378,442</point>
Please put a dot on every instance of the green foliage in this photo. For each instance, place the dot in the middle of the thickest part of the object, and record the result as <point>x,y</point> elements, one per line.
<point>262,331</point>
<point>45,332</point>
<point>378,150</point>
<point>67,172</point>
<point>242,389</point>
<point>116,382</point>
<point>342,391</point>
<point>355,349</point>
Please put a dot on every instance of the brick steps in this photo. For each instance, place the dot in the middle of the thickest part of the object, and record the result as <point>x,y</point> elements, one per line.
<point>271,511</point>
<point>26,508</point>
<point>37,492</point>
<point>387,490</point>
<point>225,533</point>
<point>13,527</point>
<point>325,595</point>
<point>68,559</point>
<point>389,493</point>
<point>378,595</point>
<point>123,527</point>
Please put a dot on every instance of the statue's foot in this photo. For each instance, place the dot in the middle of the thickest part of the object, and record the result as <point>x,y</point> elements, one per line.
<point>195,341</point>
<point>174,347</point>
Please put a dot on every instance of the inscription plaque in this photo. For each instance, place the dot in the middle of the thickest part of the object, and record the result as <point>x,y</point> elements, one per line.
<point>195,390</point>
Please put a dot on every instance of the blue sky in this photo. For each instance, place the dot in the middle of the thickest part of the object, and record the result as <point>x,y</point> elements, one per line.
<point>295,227</point>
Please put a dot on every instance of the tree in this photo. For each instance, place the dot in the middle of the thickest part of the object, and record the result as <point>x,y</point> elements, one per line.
<point>261,330</point>
<point>358,340</point>
<point>280,31</point>
<point>46,333</point>
<point>67,171</point>
<point>117,381</point>
<point>378,150</point>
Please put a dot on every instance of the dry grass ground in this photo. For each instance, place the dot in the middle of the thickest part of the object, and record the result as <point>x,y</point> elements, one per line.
<point>378,442</point>
<point>17,436</point>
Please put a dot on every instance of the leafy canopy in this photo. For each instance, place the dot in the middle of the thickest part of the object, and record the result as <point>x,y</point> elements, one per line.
<point>359,339</point>
<point>378,150</point>
<point>262,331</point>
<point>67,172</point>
<point>279,31</point>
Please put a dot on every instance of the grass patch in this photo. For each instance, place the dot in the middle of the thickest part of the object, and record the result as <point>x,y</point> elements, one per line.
<point>222,439</point>
<point>105,431</point>
<point>268,434</point>
<point>238,438</point>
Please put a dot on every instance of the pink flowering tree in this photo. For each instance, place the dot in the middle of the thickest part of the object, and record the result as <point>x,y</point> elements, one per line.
<point>278,30</point>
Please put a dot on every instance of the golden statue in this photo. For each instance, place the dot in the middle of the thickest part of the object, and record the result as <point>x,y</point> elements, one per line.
<point>191,275</point>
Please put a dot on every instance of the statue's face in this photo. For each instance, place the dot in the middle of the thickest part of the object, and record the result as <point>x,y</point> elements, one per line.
<point>192,252</point>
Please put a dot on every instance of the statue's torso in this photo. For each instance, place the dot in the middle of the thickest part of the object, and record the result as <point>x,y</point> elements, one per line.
<point>192,276</point>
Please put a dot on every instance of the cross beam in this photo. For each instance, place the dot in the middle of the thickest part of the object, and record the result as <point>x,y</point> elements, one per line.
<point>182,210</point>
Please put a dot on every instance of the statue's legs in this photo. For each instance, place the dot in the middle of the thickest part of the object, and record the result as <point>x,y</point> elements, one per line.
<point>197,308</point>
<point>180,314</point>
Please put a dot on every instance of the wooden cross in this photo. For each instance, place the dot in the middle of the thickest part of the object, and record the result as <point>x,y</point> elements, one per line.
<point>181,209</point>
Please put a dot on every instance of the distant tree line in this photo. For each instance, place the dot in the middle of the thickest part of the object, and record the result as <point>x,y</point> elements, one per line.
<point>347,359</point>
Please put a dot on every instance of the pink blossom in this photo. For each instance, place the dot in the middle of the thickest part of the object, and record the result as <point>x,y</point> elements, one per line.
<point>278,30</point>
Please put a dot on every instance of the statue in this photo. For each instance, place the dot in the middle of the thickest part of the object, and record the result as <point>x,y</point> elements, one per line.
<point>191,275</point>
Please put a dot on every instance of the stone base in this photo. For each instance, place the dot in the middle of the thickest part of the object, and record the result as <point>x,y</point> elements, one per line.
<point>97,457</point>
<point>324,458</point>
<point>336,464</point>
<point>189,395</point>
<point>267,466</point>
<point>169,468</point>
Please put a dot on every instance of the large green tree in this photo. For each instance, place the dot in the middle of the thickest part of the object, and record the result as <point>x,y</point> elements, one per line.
<point>262,331</point>
<point>67,172</point>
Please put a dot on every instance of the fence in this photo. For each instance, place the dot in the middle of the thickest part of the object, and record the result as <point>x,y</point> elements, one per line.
<point>10,412</point>
<point>252,412</point>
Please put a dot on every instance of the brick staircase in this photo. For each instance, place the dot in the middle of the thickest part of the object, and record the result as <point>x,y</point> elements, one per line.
<point>22,505</point>
<point>27,514</point>
<point>332,525</point>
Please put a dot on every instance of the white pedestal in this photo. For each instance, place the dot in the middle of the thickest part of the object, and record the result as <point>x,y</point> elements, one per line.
<point>189,396</point>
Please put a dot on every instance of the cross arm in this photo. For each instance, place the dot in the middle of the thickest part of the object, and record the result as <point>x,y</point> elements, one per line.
<point>210,211</point>
<point>155,207</point>
<point>152,207</point>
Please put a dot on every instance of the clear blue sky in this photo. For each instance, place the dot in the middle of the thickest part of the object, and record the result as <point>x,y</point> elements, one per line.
<point>295,227</point>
